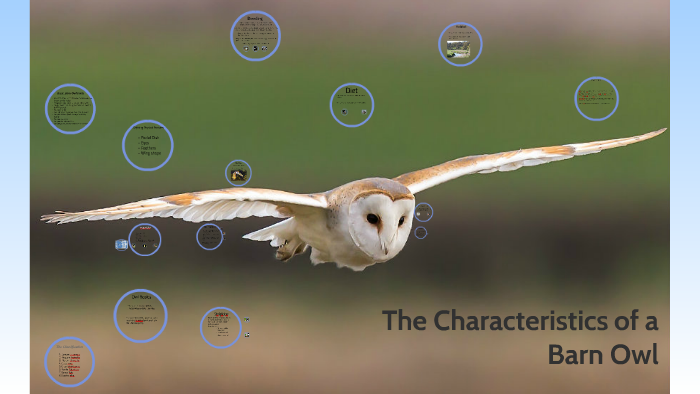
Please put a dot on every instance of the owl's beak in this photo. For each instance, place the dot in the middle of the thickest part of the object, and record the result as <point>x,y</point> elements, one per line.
<point>384,247</point>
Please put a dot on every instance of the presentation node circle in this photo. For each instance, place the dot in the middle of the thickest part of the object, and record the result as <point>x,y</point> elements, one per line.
<point>210,236</point>
<point>70,106</point>
<point>68,359</point>
<point>144,239</point>
<point>353,103</point>
<point>217,320</point>
<point>596,98</point>
<point>423,212</point>
<point>255,36</point>
<point>459,43</point>
<point>420,232</point>
<point>238,173</point>
<point>140,314</point>
<point>145,145</point>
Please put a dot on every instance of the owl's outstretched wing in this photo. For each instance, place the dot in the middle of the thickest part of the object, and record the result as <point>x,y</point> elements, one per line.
<point>209,205</point>
<point>508,161</point>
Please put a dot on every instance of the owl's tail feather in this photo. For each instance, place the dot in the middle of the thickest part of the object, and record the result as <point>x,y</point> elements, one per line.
<point>283,236</point>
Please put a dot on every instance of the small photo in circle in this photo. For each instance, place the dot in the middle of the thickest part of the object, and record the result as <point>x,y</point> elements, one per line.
<point>364,112</point>
<point>264,48</point>
<point>245,49</point>
<point>458,49</point>
<point>344,111</point>
<point>255,48</point>
<point>238,173</point>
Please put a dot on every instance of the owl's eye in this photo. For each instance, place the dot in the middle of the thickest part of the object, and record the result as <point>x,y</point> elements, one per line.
<point>401,220</point>
<point>372,218</point>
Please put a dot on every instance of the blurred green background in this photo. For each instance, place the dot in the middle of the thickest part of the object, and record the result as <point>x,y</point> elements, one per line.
<point>589,233</point>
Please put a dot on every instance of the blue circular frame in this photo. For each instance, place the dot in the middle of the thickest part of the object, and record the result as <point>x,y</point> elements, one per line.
<point>279,36</point>
<point>116,324</point>
<point>481,44</point>
<point>46,108</point>
<point>431,209</point>
<point>210,224</point>
<point>240,327</point>
<point>617,99</point>
<point>416,230</point>
<point>46,357</point>
<point>172,145</point>
<point>159,243</point>
<point>244,183</point>
<point>370,96</point>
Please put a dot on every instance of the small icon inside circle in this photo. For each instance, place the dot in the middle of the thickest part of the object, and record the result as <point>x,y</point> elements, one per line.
<point>344,111</point>
<point>364,112</point>
<point>245,49</point>
<point>255,48</point>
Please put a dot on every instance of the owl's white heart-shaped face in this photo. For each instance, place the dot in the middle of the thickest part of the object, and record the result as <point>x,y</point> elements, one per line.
<point>380,226</point>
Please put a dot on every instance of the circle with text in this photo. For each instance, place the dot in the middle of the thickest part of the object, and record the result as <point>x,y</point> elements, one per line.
<point>238,173</point>
<point>423,212</point>
<point>70,109</point>
<point>148,145</point>
<point>596,98</point>
<point>140,316</point>
<point>420,232</point>
<point>460,44</point>
<point>210,236</point>
<point>69,362</point>
<point>144,239</point>
<point>352,105</point>
<point>218,327</point>
<point>255,36</point>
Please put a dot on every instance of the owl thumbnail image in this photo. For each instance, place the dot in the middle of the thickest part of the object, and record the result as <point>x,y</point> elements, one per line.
<point>239,175</point>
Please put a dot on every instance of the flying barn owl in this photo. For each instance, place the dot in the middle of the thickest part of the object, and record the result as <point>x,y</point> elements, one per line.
<point>355,225</point>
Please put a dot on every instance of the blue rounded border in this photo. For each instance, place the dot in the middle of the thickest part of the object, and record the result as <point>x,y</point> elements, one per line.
<point>46,108</point>
<point>249,177</point>
<point>159,242</point>
<point>240,327</point>
<point>416,230</point>
<point>210,224</point>
<point>617,99</point>
<point>415,209</point>
<point>279,36</point>
<point>172,145</point>
<point>370,96</point>
<point>481,44</point>
<point>116,324</point>
<point>46,357</point>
